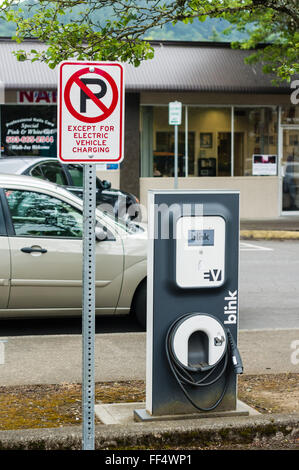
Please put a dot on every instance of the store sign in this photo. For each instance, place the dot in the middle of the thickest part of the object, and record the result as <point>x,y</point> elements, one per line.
<point>91,112</point>
<point>264,165</point>
<point>36,97</point>
<point>28,135</point>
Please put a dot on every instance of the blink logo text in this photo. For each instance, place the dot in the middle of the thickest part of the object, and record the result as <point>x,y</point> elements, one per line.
<point>230,309</point>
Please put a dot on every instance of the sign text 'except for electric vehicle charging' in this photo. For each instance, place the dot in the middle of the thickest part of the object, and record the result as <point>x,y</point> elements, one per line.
<point>90,112</point>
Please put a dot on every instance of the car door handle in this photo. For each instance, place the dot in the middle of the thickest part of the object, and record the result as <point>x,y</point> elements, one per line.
<point>28,249</point>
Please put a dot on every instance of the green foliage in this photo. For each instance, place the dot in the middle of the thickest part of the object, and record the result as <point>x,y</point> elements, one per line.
<point>120,29</point>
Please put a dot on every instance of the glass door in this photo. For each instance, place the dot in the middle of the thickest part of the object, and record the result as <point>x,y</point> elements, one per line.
<point>290,170</point>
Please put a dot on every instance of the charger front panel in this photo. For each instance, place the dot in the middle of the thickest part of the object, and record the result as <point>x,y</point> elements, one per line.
<point>200,251</point>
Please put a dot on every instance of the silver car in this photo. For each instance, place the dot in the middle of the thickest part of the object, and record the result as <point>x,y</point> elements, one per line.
<point>41,254</point>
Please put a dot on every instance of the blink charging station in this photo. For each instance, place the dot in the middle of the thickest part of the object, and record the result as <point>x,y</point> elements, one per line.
<point>192,303</point>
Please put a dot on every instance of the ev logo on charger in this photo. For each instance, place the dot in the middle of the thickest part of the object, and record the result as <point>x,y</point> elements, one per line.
<point>213,275</point>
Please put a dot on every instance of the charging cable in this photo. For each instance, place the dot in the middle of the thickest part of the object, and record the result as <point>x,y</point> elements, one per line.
<point>185,376</point>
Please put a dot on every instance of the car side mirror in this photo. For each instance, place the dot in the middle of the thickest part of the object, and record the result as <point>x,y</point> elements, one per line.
<point>100,233</point>
<point>106,184</point>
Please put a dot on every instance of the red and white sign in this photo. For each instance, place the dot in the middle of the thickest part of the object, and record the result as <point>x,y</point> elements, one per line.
<point>90,112</point>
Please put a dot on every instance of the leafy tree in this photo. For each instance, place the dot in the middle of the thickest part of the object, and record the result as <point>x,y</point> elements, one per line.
<point>116,29</point>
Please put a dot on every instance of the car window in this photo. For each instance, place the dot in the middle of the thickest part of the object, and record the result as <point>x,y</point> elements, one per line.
<point>52,172</point>
<point>37,172</point>
<point>76,173</point>
<point>40,215</point>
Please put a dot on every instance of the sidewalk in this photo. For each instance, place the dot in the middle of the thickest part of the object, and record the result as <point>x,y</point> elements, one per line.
<point>282,228</point>
<point>57,359</point>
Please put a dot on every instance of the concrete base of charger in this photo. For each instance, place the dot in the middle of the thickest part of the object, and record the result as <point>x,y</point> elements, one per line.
<point>125,413</point>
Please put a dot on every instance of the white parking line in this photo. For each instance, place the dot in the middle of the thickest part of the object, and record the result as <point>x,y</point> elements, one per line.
<point>250,247</point>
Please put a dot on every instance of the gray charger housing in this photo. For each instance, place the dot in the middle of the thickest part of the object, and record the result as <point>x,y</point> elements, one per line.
<point>167,300</point>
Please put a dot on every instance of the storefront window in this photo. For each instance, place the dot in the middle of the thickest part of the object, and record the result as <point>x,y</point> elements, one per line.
<point>163,164</point>
<point>28,130</point>
<point>209,145</point>
<point>290,115</point>
<point>157,144</point>
<point>163,144</point>
<point>212,129</point>
<point>255,134</point>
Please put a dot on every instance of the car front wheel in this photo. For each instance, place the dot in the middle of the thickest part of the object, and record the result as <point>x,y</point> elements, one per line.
<point>139,304</point>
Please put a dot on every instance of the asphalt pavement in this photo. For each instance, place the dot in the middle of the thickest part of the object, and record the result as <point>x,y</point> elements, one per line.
<point>269,284</point>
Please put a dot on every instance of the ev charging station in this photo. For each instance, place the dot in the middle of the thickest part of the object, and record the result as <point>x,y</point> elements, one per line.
<point>192,304</point>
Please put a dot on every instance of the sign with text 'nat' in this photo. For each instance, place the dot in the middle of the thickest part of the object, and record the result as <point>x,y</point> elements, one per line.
<point>90,112</point>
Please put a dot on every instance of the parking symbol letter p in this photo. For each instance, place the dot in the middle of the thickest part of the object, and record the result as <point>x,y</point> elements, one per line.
<point>84,97</point>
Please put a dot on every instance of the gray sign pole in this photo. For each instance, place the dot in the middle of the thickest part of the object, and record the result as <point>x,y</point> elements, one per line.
<point>88,314</point>
<point>175,119</point>
<point>176,156</point>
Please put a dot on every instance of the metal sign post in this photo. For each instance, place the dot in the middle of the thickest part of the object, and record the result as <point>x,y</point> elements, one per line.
<point>90,130</point>
<point>88,314</point>
<point>175,119</point>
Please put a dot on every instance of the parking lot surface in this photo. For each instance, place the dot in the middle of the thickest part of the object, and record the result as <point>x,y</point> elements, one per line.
<point>269,284</point>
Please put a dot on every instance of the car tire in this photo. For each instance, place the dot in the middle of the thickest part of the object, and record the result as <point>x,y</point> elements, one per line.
<point>138,309</point>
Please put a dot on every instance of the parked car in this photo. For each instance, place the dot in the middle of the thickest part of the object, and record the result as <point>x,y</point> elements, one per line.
<point>120,203</point>
<point>41,254</point>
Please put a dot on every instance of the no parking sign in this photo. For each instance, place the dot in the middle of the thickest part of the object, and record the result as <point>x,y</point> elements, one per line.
<point>90,112</point>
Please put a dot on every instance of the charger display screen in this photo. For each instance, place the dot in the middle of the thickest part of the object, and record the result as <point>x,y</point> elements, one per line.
<point>200,237</point>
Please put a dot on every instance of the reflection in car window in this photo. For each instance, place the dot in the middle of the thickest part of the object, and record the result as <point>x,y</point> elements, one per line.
<point>40,215</point>
<point>76,173</point>
<point>126,224</point>
<point>52,172</point>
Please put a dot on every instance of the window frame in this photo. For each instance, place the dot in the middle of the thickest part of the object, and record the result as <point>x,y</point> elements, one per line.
<point>3,224</point>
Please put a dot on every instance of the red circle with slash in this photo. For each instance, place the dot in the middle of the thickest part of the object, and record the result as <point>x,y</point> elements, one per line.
<point>106,111</point>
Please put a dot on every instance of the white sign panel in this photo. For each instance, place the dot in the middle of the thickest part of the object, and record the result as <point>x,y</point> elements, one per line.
<point>200,251</point>
<point>90,112</point>
<point>264,165</point>
<point>175,113</point>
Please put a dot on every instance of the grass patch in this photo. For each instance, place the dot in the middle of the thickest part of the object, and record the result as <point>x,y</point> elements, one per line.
<point>50,406</point>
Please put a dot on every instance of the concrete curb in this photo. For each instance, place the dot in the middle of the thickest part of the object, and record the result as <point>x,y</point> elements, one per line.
<point>269,235</point>
<point>158,435</point>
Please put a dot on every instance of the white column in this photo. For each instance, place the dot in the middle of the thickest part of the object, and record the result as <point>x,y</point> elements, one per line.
<point>186,142</point>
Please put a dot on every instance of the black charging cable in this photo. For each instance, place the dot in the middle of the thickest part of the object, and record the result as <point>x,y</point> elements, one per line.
<point>185,376</point>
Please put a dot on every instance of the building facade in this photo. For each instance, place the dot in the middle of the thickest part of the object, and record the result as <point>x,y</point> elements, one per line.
<point>238,131</point>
